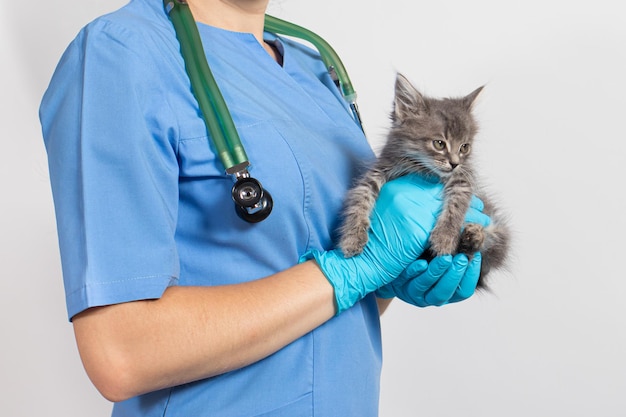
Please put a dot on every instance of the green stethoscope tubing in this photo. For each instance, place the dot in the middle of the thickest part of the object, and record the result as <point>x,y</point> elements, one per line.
<point>217,118</point>
<point>212,105</point>
<point>328,54</point>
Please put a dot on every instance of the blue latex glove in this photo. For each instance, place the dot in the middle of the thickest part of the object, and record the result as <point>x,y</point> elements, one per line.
<point>475,213</point>
<point>442,281</point>
<point>446,279</point>
<point>403,217</point>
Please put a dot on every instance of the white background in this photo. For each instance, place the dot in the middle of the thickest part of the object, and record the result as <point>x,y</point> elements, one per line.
<point>549,342</point>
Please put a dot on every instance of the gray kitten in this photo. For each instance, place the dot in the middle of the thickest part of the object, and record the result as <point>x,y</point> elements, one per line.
<point>432,137</point>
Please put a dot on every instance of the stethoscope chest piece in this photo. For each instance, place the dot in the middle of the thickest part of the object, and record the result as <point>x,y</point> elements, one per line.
<point>252,203</point>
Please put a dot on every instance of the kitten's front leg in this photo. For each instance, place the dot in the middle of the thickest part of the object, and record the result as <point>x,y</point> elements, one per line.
<point>358,207</point>
<point>445,237</point>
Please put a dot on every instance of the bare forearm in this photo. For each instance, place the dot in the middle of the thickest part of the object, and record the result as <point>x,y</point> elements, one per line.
<point>383,303</point>
<point>197,332</point>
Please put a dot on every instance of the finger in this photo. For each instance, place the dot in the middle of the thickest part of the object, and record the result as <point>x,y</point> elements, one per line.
<point>411,272</point>
<point>477,203</point>
<point>415,269</point>
<point>468,283</point>
<point>416,288</point>
<point>476,216</point>
<point>445,288</point>
<point>439,265</point>
<point>435,270</point>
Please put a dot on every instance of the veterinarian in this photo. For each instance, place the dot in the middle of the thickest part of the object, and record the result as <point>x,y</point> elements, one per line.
<point>181,308</point>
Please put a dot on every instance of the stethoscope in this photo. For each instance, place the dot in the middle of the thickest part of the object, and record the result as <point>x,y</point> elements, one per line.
<point>252,202</point>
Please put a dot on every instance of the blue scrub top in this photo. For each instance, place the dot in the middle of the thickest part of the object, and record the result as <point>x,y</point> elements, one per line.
<point>142,201</point>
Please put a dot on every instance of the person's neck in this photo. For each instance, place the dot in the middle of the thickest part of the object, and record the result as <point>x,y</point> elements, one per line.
<point>245,16</point>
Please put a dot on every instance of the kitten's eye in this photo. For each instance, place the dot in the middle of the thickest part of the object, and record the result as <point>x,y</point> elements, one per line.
<point>439,145</point>
<point>465,148</point>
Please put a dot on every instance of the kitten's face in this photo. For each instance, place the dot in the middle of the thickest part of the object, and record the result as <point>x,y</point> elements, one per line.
<point>448,153</point>
<point>437,134</point>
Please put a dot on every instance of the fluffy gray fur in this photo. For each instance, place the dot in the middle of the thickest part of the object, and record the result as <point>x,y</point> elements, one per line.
<point>432,137</point>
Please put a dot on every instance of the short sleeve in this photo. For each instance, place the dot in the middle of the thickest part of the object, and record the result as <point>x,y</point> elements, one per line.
<point>113,169</point>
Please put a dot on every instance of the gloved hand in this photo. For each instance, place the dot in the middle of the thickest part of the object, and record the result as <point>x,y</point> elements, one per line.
<point>475,213</point>
<point>442,281</point>
<point>403,217</point>
<point>446,279</point>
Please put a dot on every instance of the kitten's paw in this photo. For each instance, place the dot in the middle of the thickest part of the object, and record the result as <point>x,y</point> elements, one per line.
<point>353,241</point>
<point>472,239</point>
<point>443,240</point>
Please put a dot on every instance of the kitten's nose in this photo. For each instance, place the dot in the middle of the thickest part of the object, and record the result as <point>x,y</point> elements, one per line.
<point>453,165</point>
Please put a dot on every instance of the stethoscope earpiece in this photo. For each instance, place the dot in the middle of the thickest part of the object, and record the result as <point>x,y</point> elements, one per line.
<point>252,203</point>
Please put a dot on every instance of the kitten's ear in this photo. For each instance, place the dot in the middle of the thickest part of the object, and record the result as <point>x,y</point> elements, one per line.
<point>408,101</point>
<point>470,99</point>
